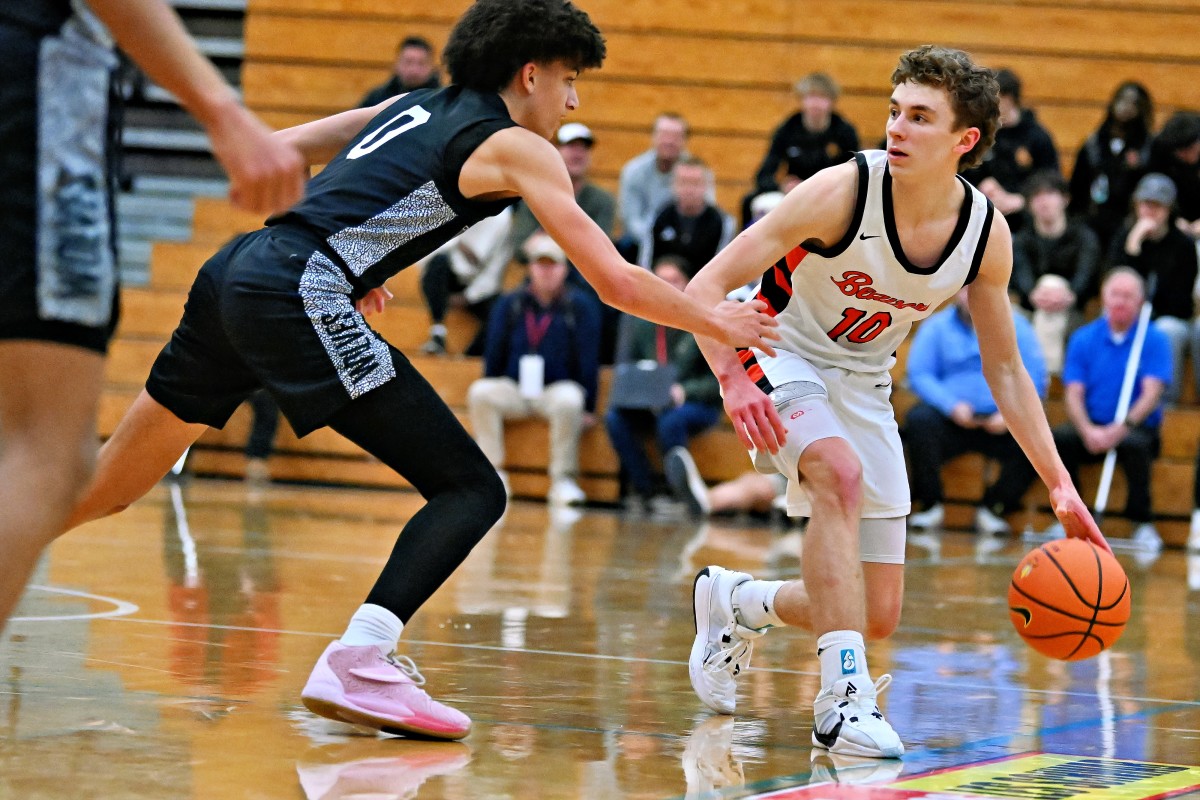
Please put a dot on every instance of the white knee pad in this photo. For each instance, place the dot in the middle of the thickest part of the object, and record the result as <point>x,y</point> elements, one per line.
<point>804,408</point>
<point>882,540</point>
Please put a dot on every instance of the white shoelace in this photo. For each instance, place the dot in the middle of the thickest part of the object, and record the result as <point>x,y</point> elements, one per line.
<point>737,655</point>
<point>406,665</point>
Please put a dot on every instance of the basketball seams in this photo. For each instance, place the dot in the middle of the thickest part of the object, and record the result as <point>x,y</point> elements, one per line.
<point>1065,613</point>
<point>1079,595</point>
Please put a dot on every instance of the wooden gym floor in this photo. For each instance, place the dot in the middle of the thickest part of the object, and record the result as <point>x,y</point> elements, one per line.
<point>160,655</point>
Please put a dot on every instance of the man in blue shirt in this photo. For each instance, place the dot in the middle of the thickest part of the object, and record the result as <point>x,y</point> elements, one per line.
<point>1095,368</point>
<point>957,415</point>
<point>541,357</point>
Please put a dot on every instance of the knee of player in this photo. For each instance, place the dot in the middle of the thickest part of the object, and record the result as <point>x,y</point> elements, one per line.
<point>882,623</point>
<point>492,497</point>
<point>836,472</point>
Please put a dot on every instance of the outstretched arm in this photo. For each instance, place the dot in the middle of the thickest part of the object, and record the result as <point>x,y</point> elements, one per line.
<point>819,209</point>
<point>1013,390</point>
<point>515,161</point>
<point>264,173</point>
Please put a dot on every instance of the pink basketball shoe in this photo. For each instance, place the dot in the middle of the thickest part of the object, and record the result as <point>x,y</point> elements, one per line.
<point>358,685</point>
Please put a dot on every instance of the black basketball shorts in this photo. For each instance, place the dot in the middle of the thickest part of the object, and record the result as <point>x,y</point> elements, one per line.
<point>269,310</point>
<point>58,279</point>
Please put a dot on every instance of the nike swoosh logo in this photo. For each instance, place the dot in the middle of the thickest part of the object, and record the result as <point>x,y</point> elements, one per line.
<point>862,237</point>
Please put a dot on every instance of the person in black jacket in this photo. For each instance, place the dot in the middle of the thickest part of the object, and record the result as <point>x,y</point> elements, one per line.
<point>1112,159</point>
<point>1166,258</point>
<point>1056,262</point>
<point>413,69</point>
<point>690,227</point>
<point>813,138</point>
<point>1022,148</point>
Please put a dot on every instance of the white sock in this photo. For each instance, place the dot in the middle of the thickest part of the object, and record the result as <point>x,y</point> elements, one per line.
<point>375,625</point>
<point>842,655</point>
<point>754,604</point>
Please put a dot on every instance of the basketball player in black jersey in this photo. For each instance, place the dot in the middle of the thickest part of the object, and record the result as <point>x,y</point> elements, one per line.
<point>277,309</point>
<point>58,272</point>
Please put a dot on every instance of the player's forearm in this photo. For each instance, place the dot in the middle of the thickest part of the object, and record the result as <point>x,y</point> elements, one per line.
<point>150,32</point>
<point>643,294</point>
<point>320,140</point>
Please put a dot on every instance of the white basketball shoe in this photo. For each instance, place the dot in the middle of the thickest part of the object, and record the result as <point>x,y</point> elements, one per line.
<point>847,721</point>
<point>722,648</point>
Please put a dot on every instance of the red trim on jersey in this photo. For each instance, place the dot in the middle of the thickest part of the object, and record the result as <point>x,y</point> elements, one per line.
<point>755,372</point>
<point>794,258</point>
<point>783,280</point>
<point>744,355</point>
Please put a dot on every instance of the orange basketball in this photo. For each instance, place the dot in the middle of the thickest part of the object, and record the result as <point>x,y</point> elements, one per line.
<point>1069,599</point>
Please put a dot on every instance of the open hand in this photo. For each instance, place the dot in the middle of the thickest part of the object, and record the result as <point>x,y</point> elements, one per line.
<point>754,417</point>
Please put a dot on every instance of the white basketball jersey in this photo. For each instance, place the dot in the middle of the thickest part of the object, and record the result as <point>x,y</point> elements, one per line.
<point>851,305</point>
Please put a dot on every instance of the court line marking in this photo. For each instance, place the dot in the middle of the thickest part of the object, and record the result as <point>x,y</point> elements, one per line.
<point>122,607</point>
<point>1182,704</point>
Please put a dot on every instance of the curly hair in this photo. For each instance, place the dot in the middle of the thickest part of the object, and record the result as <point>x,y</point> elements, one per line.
<point>495,38</point>
<point>974,93</point>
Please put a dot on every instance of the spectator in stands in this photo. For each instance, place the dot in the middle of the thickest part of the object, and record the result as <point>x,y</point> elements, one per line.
<point>1112,159</point>
<point>413,69</point>
<point>1166,258</point>
<point>807,142</point>
<point>1176,154</point>
<point>646,179</point>
<point>1097,355</point>
<point>468,270</point>
<point>575,143</point>
<point>692,402</point>
<point>751,491</point>
<point>956,414</point>
<point>1022,148</point>
<point>690,226</point>
<point>1056,263</point>
<point>264,422</point>
<point>540,360</point>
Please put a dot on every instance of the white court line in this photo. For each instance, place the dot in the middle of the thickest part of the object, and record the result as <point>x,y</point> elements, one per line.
<point>627,658</point>
<point>122,608</point>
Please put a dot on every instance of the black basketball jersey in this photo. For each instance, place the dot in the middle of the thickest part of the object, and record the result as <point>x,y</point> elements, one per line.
<point>391,196</point>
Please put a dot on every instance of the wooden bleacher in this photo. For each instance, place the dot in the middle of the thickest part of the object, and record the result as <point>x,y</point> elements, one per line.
<point>728,67</point>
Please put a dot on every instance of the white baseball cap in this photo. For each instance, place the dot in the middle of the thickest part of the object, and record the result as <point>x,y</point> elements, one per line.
<point>575,132</point>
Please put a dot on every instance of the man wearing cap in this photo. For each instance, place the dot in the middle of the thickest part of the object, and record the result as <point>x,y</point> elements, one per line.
<point>1165,257</point>
<point>540,359</point>
<point>575,142</point>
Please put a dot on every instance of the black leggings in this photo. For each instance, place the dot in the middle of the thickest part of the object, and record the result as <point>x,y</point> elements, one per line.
<point>408,427</point>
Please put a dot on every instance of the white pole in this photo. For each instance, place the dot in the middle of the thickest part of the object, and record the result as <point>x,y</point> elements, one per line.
<point>1123,402</point>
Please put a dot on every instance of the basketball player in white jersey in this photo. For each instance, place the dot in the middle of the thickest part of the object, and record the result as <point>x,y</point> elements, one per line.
<point>858,253</point>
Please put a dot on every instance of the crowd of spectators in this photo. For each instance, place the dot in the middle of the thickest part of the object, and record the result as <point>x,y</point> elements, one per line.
<point>1130,203</point>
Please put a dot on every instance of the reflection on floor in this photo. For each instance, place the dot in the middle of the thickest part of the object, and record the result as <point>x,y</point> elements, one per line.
<point>160,655</point>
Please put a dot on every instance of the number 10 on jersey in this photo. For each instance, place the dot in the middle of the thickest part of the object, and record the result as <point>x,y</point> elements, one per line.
<point>857,329</point>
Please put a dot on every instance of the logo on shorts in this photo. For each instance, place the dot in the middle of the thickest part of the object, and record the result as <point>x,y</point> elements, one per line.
<point>797,414</point>
<point>849,662</point>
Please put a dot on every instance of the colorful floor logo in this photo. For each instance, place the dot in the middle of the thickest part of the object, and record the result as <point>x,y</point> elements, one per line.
<point>1036,777</point>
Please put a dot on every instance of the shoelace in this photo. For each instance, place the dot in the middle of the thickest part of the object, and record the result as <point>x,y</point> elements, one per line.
<point>737,655</point>
<point>406,665</point>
